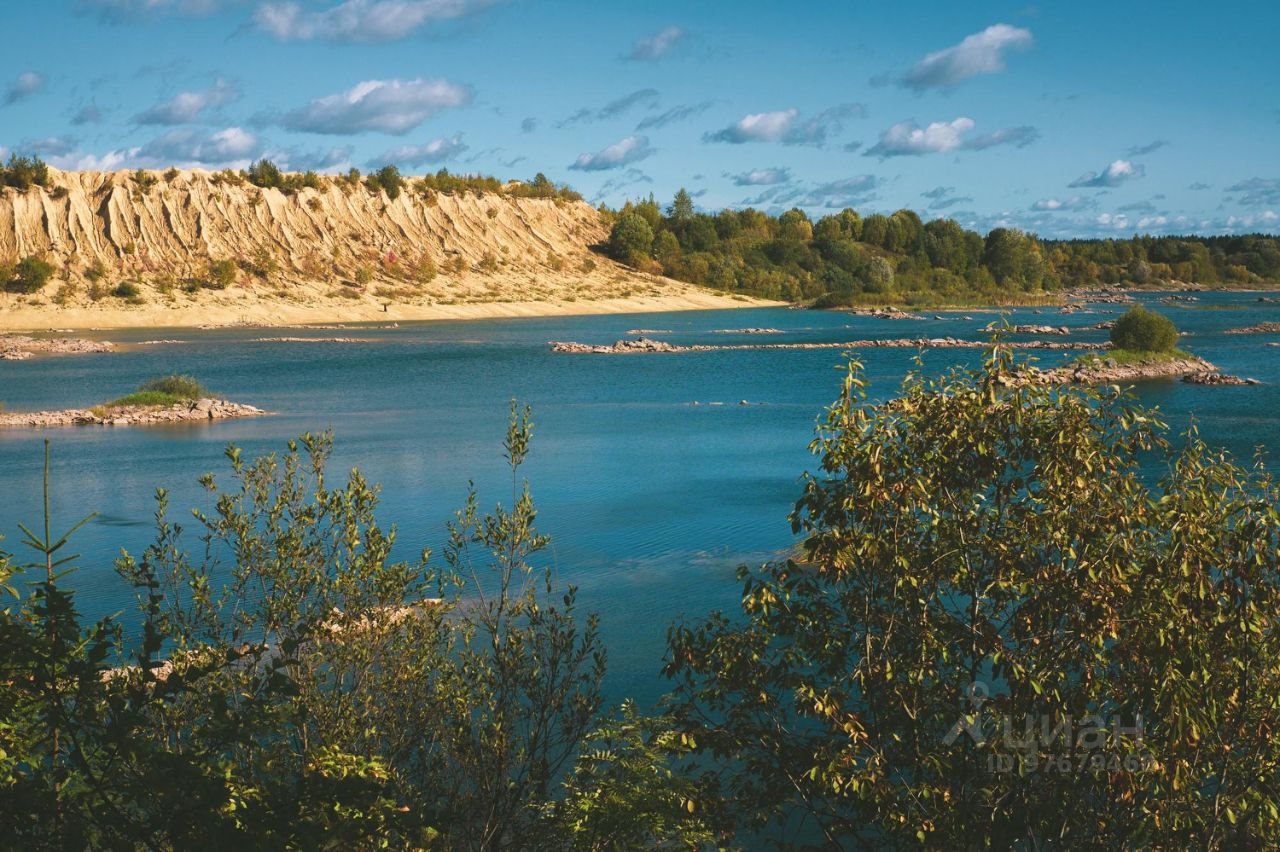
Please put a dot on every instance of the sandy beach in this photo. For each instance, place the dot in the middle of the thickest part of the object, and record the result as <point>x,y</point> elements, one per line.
<point>272,312</point>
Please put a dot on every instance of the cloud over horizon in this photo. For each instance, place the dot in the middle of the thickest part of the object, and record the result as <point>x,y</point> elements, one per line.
<point>185,107</point>
<point>359,21</point>
<point>436,151</point>
<point>1118,172</point>
<point>388,106</point>
<point>630,150</point>
<point>761,177</point>
<point>978,54</point>
<point>189,146</point>
<point>24,85</point>
<point>908,139</point>
<point>657,45</point>
<point>787,126</point>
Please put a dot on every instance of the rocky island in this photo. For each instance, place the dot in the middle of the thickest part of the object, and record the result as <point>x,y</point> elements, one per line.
<point>172,399</point>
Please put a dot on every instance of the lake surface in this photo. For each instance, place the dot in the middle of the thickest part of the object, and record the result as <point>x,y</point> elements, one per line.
<point>651,501</point>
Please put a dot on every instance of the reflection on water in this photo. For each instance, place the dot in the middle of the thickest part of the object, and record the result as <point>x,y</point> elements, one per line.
<point>651,501</point>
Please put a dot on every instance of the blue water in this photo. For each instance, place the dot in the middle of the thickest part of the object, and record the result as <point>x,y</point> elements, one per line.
<point>651,501</point>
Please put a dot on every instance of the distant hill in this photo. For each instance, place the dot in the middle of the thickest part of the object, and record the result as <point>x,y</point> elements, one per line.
<point>185,243</point>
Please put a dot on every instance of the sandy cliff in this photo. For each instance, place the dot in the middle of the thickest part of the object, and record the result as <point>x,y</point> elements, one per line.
<point>339,252</point>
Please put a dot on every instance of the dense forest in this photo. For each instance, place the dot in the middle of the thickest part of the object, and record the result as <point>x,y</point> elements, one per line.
<point>846,258</point>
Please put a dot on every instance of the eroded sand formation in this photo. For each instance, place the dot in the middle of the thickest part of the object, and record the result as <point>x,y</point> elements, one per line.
<point>336,253</point>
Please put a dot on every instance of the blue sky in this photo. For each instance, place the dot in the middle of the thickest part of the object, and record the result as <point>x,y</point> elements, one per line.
<point>1069,119</point>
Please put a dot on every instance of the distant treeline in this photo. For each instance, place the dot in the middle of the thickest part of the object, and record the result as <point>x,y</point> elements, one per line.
<point>846,258</point>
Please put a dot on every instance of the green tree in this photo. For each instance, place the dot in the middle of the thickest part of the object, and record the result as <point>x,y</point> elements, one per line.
<point>681,207</point>
<point>265,174</point>
<point>1029,575</point>
<point>1143,330</point>
<point>631,238</point>
<point>24,172</point>
<point>388,180</point>
<point>795,226</point>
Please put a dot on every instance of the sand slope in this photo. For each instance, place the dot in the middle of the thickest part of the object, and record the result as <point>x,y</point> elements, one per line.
<point>335,253</point>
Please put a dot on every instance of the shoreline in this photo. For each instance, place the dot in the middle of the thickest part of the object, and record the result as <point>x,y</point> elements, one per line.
<point>269,314</point>
<point>200,410</point>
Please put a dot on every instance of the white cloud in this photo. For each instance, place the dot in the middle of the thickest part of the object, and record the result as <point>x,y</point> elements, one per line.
<point>980,53</point>
<point>1115,174</point>
<point>108,162</point>
<point>435,151</point>
<point>26,85</point>
<point>315,159</point>
<point>657,45</point>
<point>1075,202</point>
<point>756,127</point>
<point>187,146</point>
<point>185,107</point>
<point>389,106</point>
<point>359,20</point>
<point>762,177</point>
<point>906,138</point>
<point>622,153</point>
<point>787,127</point>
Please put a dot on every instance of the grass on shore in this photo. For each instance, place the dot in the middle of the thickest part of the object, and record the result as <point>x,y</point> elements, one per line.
<point>159,393</point>
<point>1130,357</point>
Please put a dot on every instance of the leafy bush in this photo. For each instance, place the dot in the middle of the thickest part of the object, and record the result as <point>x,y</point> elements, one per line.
<point>1001,611</point>
<point>165,391</point>
<point>127,290</point>
<point>30,274</point>
<point>265,174</point>
<point>176,384</point>
<point>388,180</point>
<point>631,238</point>
<point>143,182</point>
<point>221,274</point>
<point>24,172</point>
<point>1142,330</point>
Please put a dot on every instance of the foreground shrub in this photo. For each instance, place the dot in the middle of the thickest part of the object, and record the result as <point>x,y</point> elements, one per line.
<point>316,693</point>
<point>1142,330</point>
<point>1001,634</point>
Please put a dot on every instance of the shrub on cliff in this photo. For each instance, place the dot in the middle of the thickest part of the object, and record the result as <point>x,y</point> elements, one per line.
<point>30,274</point>
<point>221,274</point>
<point>24,172</point>
<point>386,179</point>
<point>1141,330</point>
<point>265,174</point>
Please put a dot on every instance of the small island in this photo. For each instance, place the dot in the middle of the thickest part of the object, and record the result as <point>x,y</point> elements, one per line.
<point>1143,346</point>
<point>171,399</point>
